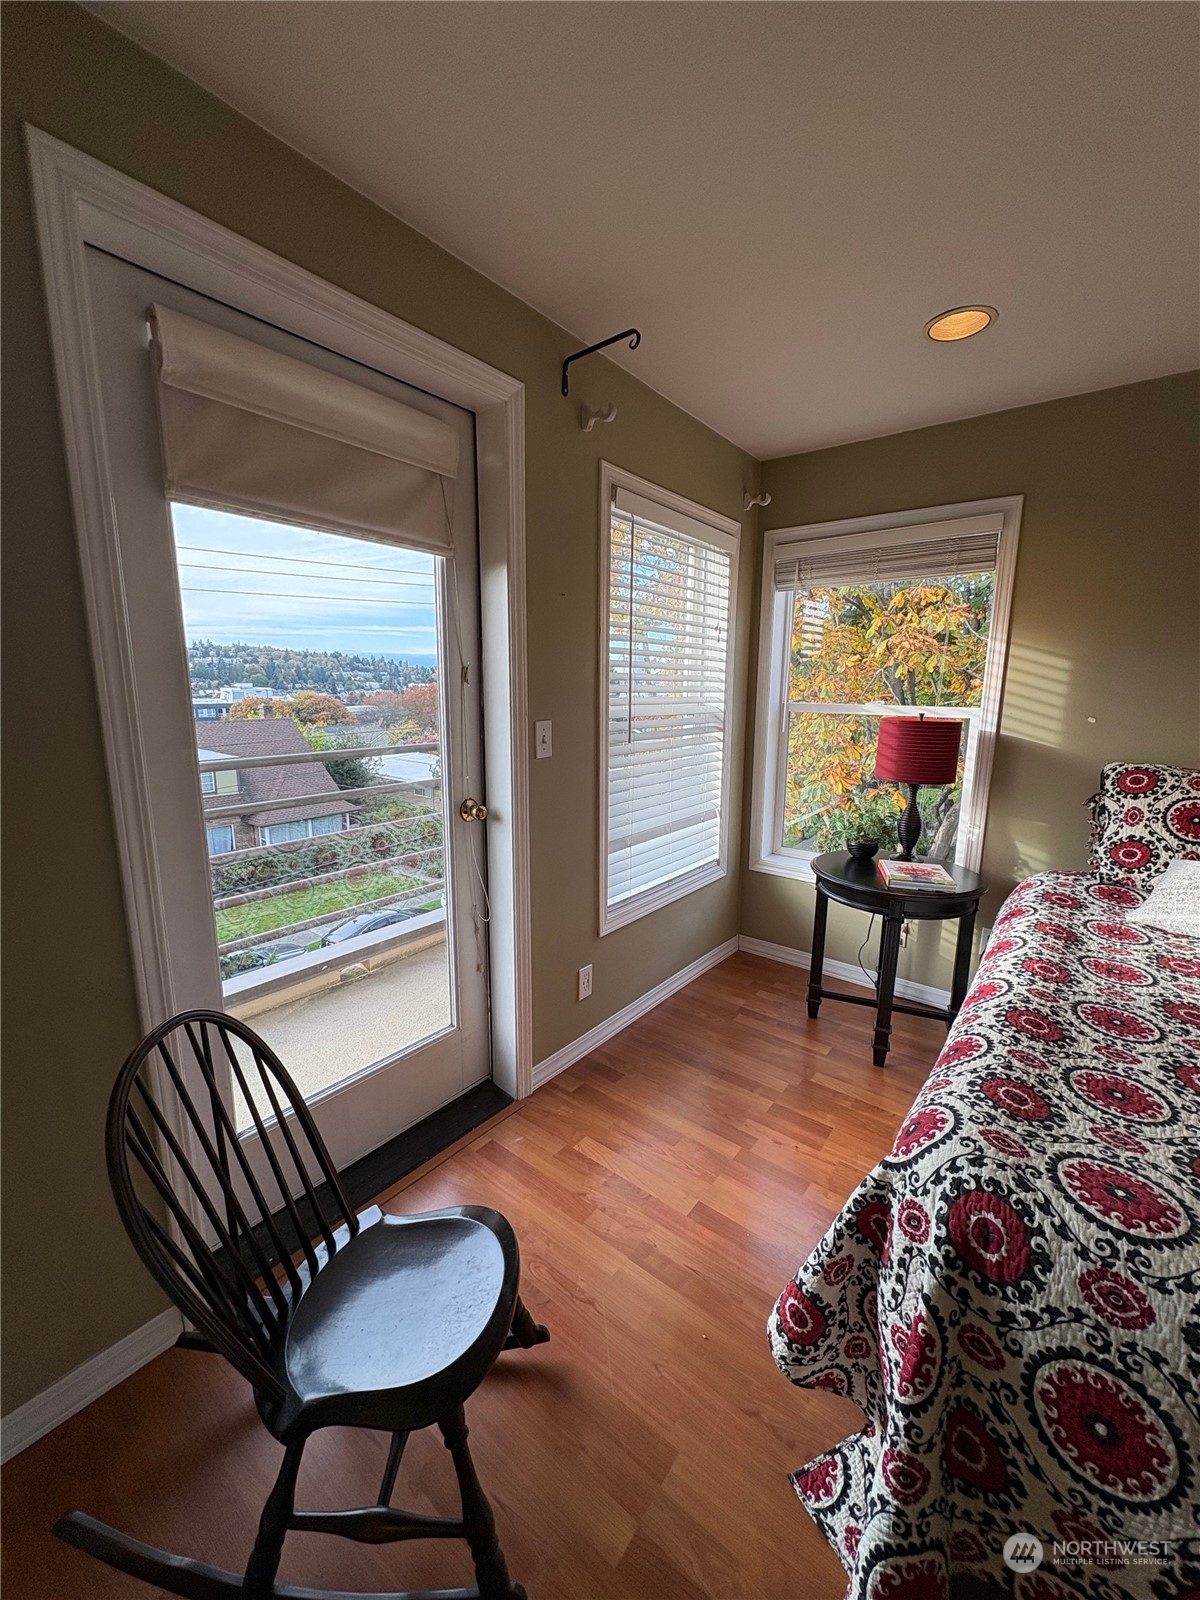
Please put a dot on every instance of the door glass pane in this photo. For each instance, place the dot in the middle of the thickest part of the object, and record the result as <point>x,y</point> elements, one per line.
<point>329,905</point>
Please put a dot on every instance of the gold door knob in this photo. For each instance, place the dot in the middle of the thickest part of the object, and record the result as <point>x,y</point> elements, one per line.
<point>473,811</point>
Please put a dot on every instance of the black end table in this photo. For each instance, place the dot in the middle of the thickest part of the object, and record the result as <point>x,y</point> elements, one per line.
<point>857,883</point>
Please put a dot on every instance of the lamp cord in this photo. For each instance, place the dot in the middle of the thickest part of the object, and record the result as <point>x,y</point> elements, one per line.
<point>872,979</point>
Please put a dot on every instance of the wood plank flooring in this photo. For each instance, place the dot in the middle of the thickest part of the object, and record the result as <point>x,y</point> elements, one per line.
<point>663,1190</point>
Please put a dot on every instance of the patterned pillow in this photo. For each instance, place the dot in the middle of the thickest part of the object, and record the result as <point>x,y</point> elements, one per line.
<point>1143,818</point>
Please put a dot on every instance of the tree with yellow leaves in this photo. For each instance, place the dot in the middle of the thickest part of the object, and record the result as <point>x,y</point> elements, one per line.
<point>921,643</point>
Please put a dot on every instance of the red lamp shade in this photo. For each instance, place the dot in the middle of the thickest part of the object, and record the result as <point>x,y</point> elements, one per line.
<point>918,750</point>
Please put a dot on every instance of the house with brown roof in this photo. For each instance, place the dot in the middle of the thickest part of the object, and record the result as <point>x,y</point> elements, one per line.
<point>254,786</point>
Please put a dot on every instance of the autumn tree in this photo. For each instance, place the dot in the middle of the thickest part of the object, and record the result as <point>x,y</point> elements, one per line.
<point>319,710</point>
<point>421,708</point>
<point>254,706</point>
<point>392,711</point>
<point>913,644</point>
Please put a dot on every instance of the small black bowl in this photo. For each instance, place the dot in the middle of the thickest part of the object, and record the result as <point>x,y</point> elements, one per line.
<point>862,849</point>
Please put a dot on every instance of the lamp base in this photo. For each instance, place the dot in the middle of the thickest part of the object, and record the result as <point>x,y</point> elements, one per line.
<point>908,829</point>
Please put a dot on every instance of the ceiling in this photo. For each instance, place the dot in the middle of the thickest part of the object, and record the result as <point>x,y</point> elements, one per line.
<point>779,195</point>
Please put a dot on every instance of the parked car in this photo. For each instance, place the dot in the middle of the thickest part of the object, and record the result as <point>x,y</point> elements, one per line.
<point>366,922</point>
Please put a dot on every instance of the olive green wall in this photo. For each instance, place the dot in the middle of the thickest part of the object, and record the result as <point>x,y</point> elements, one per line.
<point>71,1285</point>
<point>1104,653</point>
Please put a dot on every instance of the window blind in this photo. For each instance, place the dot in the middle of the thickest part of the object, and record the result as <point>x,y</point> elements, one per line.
<point>668,635</point>
<point>895,556</point>
<point>251,430</point>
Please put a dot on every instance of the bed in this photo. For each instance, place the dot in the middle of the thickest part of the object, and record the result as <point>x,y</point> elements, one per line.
<point>1012,1296</point>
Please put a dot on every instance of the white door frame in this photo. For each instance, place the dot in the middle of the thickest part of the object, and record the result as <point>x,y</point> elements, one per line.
<point>79,202</point>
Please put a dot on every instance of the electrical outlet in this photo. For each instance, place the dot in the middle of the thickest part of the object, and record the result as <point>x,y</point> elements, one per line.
<point>543,740</point>
<point>585,981</point>
<point>984,935</point>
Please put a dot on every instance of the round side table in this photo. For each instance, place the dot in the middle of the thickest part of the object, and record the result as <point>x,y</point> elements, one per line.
<point>856,883</point>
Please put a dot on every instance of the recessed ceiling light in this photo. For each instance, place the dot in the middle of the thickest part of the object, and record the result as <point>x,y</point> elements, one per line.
<point>960,323</point>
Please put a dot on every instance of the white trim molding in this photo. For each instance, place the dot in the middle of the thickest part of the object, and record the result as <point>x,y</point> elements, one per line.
<point>767,853</point>
<point>620,1020</point>
<point>81,202</point>
<point>87,1382</point>
<point>844,971</point>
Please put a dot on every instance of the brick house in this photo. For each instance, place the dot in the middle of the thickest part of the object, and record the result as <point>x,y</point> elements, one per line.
<point>256,785</point>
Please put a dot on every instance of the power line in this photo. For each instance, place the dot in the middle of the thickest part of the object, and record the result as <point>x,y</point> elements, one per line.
<point>315,577</point>
<point>283,594</point>
<point>266,555</point>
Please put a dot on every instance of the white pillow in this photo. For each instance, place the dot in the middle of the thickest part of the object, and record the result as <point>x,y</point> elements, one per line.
<point>1174,902</point>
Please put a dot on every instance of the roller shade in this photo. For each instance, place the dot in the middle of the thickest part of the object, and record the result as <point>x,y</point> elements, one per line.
<point>898,555</point>
<point>668,637</point>
<point>249,430</point>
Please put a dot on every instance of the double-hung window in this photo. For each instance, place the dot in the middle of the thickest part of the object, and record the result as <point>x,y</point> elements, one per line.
<point>669,575</point>
<point>862,620</point>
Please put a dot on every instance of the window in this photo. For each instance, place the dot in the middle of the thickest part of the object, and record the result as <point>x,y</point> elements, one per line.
<point>872,618</point>
<point>305,828</point>
<point>670,574</point>
<point>208,783</point>
<point>220,840</point>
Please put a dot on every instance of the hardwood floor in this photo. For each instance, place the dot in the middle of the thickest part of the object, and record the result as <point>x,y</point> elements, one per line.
<point>663,1190</point>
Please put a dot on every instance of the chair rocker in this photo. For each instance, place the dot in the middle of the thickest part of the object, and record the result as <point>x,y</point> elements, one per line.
<point>335,1319</point>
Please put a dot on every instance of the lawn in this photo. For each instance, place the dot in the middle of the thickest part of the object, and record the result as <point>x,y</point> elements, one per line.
<point>323,899</point>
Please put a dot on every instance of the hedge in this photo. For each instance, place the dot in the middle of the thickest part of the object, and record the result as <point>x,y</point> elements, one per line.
<point>305,858</point>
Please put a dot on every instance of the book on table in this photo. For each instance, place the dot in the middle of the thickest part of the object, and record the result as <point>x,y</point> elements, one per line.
<point>915,875</point>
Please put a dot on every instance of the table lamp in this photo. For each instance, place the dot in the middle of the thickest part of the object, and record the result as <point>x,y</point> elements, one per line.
<point>913,752</point>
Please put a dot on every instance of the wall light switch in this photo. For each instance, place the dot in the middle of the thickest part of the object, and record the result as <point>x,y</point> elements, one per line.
<point>585,981</point>
<point>543,739</point>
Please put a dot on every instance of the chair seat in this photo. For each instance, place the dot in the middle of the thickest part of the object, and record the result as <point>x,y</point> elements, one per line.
<point>407,1313</point>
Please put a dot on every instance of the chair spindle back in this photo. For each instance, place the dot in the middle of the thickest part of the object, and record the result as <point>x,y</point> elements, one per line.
<point>231,1233</point>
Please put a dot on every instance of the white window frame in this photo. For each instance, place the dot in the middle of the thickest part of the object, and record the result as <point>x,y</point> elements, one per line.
<point>208,783</point>
<point>767,852</point>
<point>640,905</point>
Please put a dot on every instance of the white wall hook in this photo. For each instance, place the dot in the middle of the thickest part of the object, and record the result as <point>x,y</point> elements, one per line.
<point>589,418</point>
<point>752,500</point>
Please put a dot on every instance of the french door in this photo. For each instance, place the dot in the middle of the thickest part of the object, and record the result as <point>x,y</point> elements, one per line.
<point>309,730</point>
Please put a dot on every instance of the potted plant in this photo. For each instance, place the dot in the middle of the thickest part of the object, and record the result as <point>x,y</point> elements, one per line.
<point>860,825</point>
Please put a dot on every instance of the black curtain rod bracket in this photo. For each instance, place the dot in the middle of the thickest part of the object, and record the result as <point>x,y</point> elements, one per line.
<point>631,334</point>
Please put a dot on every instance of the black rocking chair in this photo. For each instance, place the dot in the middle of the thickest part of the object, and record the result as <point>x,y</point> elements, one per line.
<point>336,1320</point>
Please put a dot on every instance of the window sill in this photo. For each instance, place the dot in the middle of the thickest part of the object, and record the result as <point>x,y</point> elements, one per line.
<point>619,916</point>
<point>781,866</point>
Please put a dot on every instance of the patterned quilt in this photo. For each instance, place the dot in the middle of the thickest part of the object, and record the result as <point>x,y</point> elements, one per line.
<point>1013,1295</point>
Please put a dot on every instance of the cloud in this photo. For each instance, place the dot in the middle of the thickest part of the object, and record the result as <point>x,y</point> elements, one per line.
<point>268,583</point>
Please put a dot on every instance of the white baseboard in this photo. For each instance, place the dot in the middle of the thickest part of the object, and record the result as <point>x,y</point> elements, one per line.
<point>603,1031</point>
<point>845,971</point>
<point>87,1382</point>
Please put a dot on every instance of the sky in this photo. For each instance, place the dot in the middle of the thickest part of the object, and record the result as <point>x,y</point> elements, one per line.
<point>256,582</point>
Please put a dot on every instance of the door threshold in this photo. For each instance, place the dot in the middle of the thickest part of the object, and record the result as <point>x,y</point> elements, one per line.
<point>381,1172</point>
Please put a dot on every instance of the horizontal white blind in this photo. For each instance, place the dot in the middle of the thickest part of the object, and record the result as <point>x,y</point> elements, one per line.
<point>250,430</point>
<point>892,558</point>
<point>668,635</point>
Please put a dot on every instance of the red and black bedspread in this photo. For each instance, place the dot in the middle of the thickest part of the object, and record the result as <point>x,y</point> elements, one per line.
<point>1013,1295</point>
